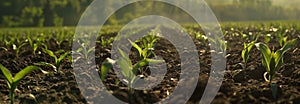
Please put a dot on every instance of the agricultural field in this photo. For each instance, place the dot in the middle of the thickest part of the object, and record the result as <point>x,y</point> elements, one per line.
<point>262,64</point>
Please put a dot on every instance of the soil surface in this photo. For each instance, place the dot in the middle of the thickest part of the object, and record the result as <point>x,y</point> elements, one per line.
<point>239,85</point>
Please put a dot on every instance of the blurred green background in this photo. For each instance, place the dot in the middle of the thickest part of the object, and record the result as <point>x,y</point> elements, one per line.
<point>41,13</point>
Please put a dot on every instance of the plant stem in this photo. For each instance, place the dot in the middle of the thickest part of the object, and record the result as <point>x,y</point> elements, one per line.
<point>11,94</point>
<point>270,79</point>
<point>130,93</point>
<point>244,67</point>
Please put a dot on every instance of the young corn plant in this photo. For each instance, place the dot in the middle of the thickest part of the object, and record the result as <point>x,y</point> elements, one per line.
<point>282,41</point>
<point>245,53</point>
<point>272,61</point>
<point>31,43</point>
<point>144,52</point>
<point>9,42</point>
<point>57,60</point>
<point>17,48</point>
<point>281,38</point>
<point>149,41</point>
<point>128,70</point>
<point>268,38</point>
<point>200,36</point>
<point>146,49</point>
<point>222,46</point>
<point>35,45</point>
<point>85,51</point>
<point>105,42</point>
<point>60,38</point>
<point>244,36</point>
<point>13,82</point>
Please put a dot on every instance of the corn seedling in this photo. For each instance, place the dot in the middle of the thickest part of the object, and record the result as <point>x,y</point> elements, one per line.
<point>144,52</point>
<point>13,82</point>
<point>268,38</point>
<point>244,36</point>
<point>35,45</point>
<point>60,38</point>
<point>245,53</point>
<point>200,36</point>
<point>57,60</point>
<point>128,70</point>
<point>85,50</point>
<point>105,42</point>
<point>281,39</point>
<point>222,46</point>
<point>17,48</point>
<point>31,43</point>
<point>147,46</point>
<point>272,61</point>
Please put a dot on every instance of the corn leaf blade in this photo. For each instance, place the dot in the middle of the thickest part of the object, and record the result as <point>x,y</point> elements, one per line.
<point>125,67</point>
<point>20,75</point>
<point>63,56</point>
<point>6,73</point>
<point>136,47</point>
<point>50,53</point>
<point>266,53</point>
<point>124,56</point>
<point>105,67</point>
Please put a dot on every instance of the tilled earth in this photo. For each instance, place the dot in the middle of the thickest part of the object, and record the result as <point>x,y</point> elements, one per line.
<point>239,86</point>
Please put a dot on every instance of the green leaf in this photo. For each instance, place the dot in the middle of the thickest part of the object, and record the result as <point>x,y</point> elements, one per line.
<point>279,53</point>
<point>266,53</point>
<point>245,53</point>
<point>246,50</point>
<point>35,46</point>
<point>79,49</point>
<point>105,67</point>
<point>125,67</point>
<point>155,61</point>
<point>145,62</point>
<point>7,74</point>
<point>21,45</point>
<point>136,47</point>
<point>268,38</point>
<point>282,41</point>
<point>46,64</point>
<point>45,45</point>
<point>154,40</point>
<point>245,45</point>
<point>250,45</point>
<point>20,75</point>
<point>50,53</point>
<point>272,65</point>
<point>90,50</point>
<point>288,45</point>
<point>124,55</point>
<point>139,65</point>
<point>63,56</point>
<point>29,40</point>
<point>144,53</point>
<point>59,51</point>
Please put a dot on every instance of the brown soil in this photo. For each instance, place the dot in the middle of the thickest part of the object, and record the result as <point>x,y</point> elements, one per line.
<point>239,86</point>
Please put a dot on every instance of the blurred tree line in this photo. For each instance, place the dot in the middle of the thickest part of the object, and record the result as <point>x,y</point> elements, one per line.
<point>41,13</point>
<point>251,10</point>
<point>23,13</point>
